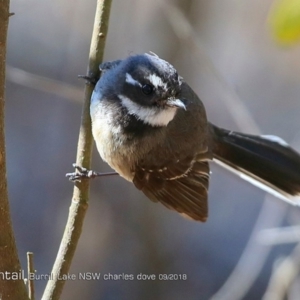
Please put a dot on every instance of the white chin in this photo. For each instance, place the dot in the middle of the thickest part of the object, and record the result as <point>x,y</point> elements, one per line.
<point>152,116</point>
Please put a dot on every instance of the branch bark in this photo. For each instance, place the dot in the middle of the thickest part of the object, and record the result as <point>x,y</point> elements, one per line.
<point>80,198</point>
<point>30,272</point>
<point>11,285</point>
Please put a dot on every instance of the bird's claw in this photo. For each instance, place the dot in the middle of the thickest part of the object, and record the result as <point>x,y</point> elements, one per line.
<point>80,173</point>
<point>89,79</point>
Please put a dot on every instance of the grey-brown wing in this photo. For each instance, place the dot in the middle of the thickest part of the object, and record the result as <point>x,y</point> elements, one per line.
<point>180,186</point>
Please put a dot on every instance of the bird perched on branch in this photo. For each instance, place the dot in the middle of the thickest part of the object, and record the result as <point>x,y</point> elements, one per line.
<point>151,128</point>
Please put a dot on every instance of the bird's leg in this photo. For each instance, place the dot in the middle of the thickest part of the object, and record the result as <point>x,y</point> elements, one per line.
<point>81,173</point>
<point>91,79</point>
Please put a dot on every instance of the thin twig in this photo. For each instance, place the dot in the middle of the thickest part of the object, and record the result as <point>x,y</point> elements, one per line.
<point>81,190</point>
<point>279,235</point>
<point>44,84</point>
<point>253,257</point>
<point>30,273</point>
<point>283,275</point>
<point>9,260</point>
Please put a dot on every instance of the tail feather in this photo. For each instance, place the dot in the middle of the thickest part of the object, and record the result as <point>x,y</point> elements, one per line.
<point>265,161</point>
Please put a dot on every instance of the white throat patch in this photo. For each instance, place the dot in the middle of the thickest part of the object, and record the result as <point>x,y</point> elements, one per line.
<point>152,116</point>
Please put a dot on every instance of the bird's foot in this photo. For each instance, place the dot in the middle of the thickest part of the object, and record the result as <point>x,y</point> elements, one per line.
<point>89,79</point>
<point>81,173</point>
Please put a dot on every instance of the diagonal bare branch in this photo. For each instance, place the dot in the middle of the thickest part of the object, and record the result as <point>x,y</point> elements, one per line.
<point>44,84</point>
<point>80,198</point>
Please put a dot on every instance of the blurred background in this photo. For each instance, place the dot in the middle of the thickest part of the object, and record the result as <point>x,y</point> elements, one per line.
<point>248,248</point>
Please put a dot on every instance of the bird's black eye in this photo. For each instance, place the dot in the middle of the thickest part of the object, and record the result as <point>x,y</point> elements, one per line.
<point>147,89</point>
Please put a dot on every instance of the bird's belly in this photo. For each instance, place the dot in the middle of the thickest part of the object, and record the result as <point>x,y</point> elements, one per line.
<point>111,148</point>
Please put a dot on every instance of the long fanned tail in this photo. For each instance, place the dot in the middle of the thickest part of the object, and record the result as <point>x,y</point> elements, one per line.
<point>266,161</point>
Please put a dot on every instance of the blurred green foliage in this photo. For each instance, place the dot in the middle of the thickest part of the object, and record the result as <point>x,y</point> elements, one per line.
<point>284,20</point>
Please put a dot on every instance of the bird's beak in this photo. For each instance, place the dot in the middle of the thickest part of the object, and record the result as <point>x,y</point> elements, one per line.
<point>172,102</point>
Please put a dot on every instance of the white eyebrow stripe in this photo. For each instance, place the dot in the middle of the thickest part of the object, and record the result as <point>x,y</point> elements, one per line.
<point>156,81</point>
<point>153,116</point>
<point>130,80</point>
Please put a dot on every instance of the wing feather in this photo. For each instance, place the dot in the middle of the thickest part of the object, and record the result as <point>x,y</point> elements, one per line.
<point>182,186</point>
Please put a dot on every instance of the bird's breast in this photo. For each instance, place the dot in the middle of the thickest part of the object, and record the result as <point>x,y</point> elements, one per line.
<point>121,139</point>
<point>111,141</point>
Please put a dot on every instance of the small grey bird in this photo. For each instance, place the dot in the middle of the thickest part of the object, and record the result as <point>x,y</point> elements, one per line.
<point>151,128</point>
